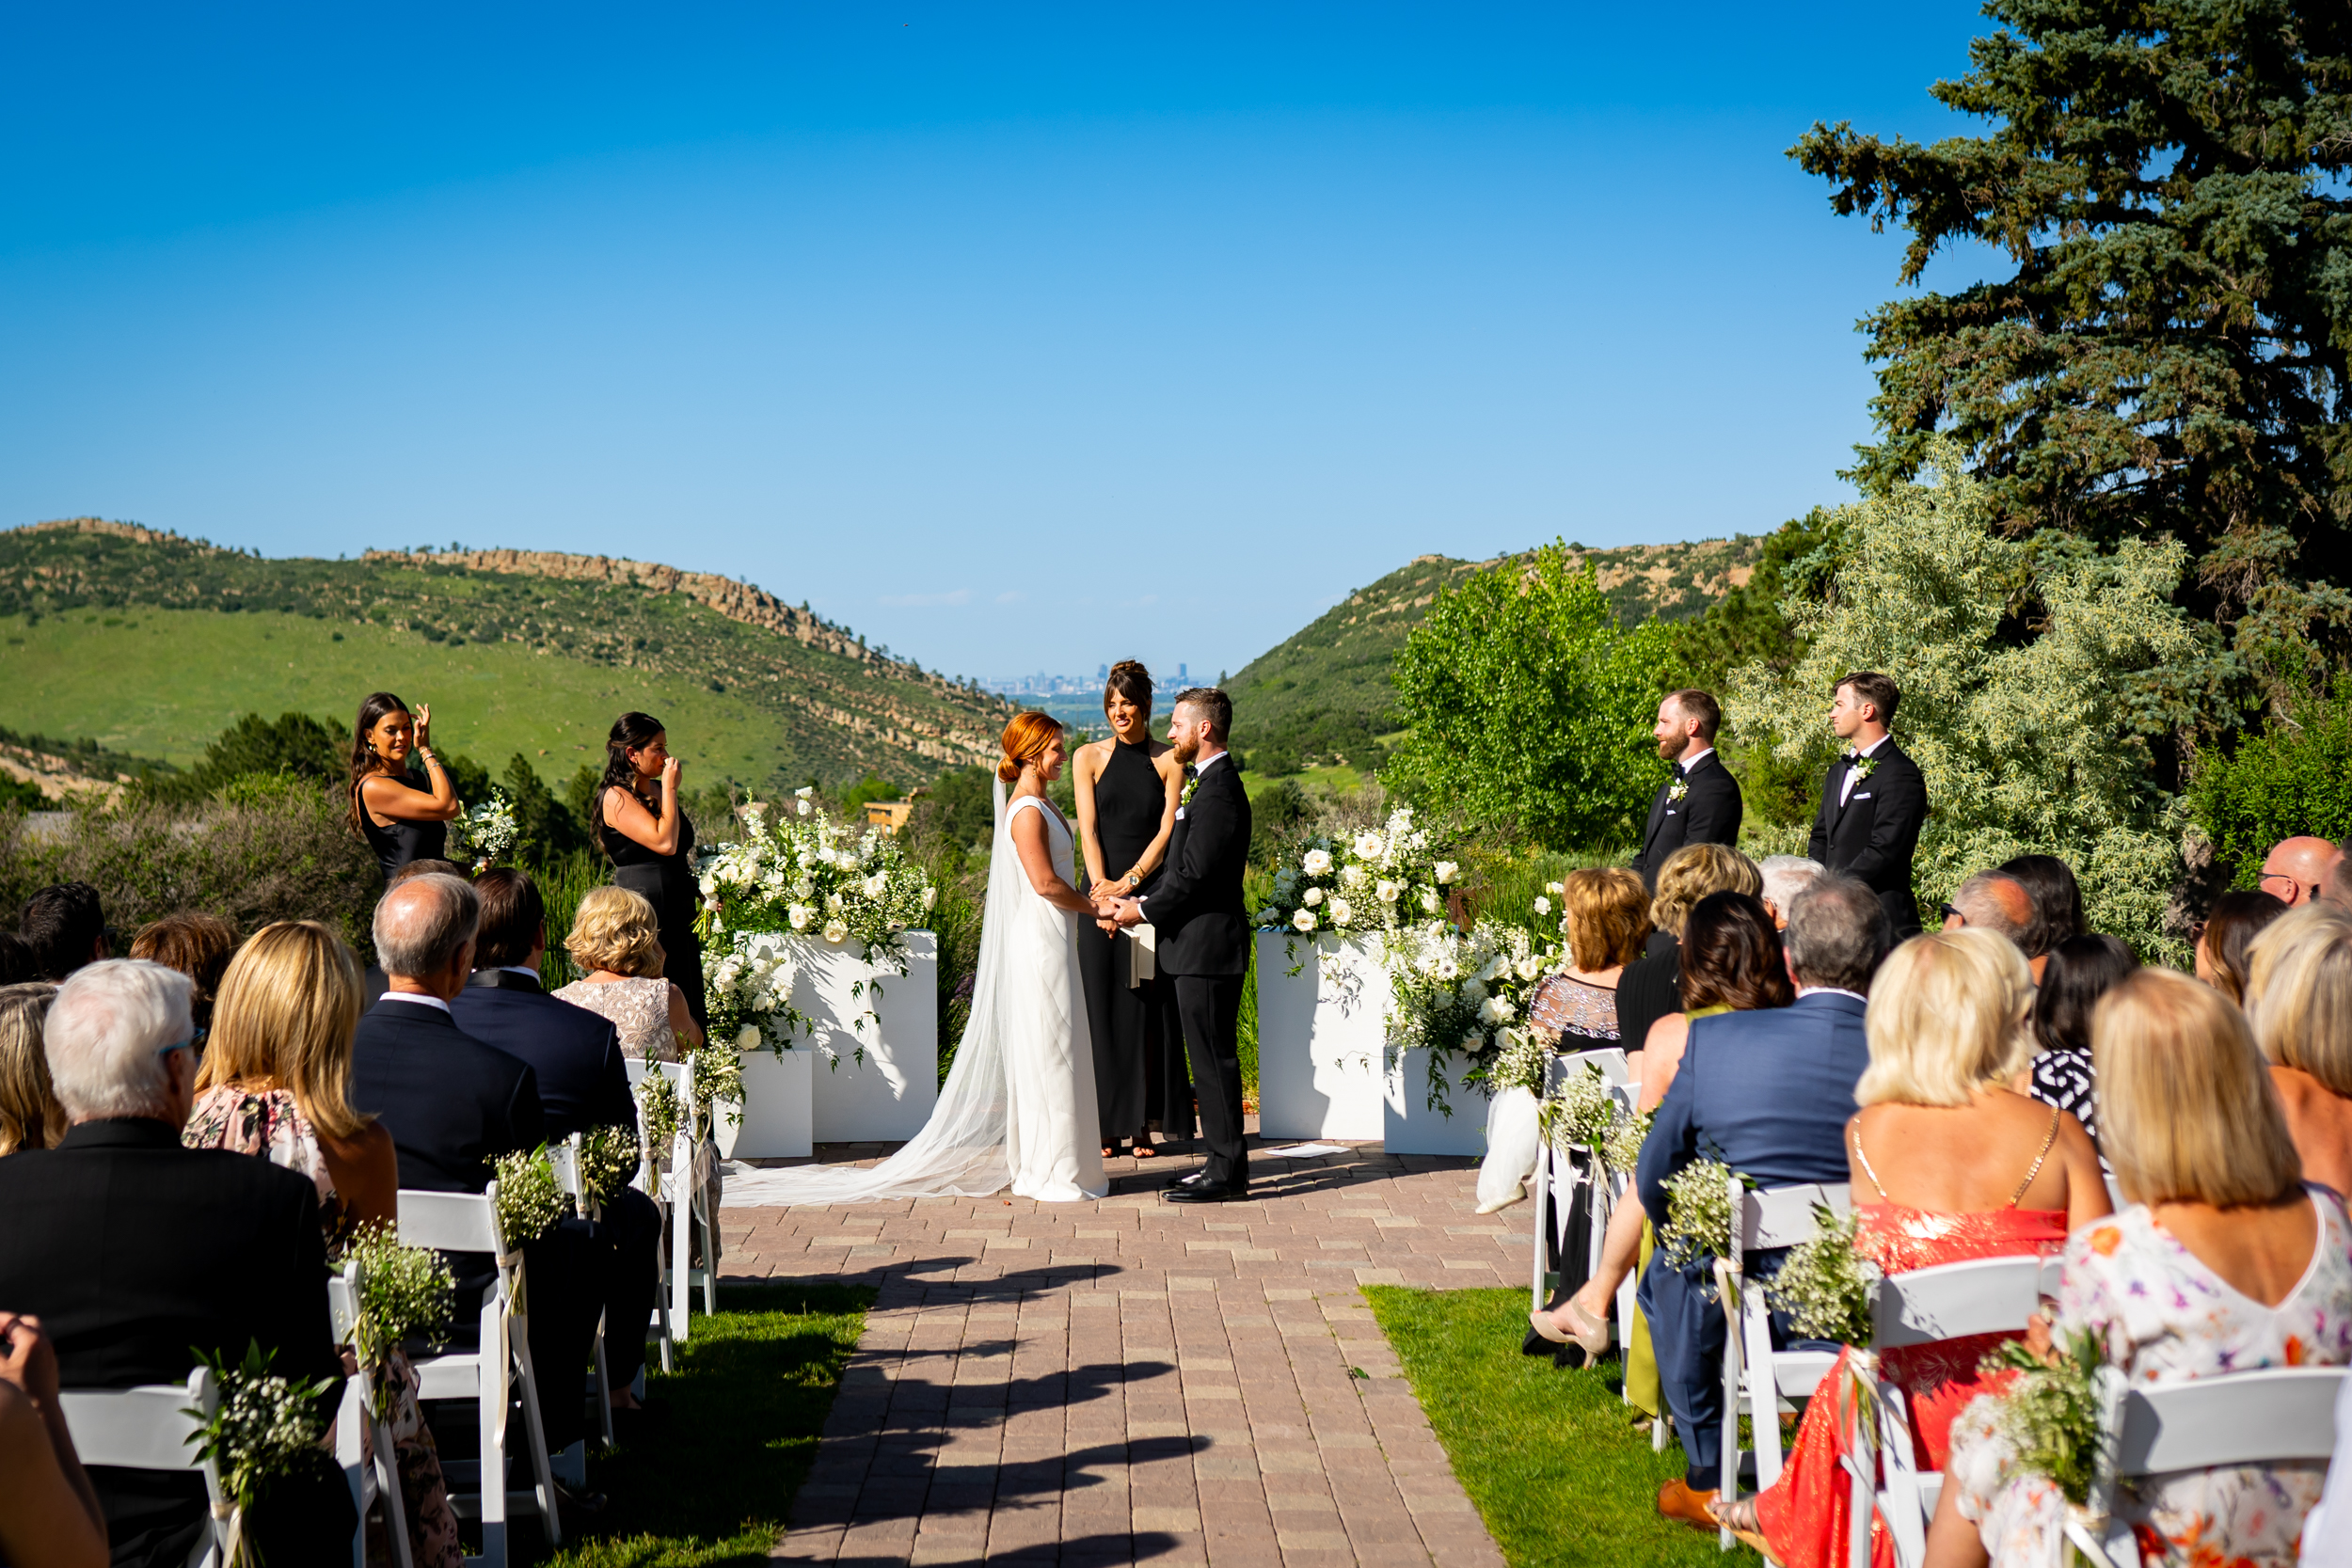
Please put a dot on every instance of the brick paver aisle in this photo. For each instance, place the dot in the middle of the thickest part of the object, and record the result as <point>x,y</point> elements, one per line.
<point>1132,1381</point>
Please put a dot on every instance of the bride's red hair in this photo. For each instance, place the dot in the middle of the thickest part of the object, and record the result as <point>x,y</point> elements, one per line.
<point>1026,738</point>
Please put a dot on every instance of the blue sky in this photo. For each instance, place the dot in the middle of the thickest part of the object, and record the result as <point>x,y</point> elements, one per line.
<point>1014,337</point>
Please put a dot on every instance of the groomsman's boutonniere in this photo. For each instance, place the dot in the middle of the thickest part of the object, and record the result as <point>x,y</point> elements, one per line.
<point>1190,785</point>
<point>1678,789</point>
<point>1863,767</point>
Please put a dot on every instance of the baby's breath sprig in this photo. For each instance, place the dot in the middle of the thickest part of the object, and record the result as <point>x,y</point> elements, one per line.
<point>1826,1286</point>
<point>658,1103</point>
<point>2050,1413</point>
<point>530,1202</point>
<point>404,1293</point>
<point>608,1157</point>
<point>1621,1150</point>
<point>1582,1112</point>
<point>265,1427</point>
<point>1698,1213</point>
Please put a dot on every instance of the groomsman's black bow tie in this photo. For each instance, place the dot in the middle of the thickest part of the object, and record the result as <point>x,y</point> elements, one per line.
<point>1192,770</point>
<point>1683,769</point>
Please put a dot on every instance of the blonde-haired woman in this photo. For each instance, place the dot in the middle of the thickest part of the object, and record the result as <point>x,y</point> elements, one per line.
<point>276,1082</point>
<point>616,937</point>
<point>1949,1164</point>
<point>1017,1107</point>
<point>31,1117</point>
<point>2225,1261</point>
<point>1652,988</point>
<point>2298,998</point>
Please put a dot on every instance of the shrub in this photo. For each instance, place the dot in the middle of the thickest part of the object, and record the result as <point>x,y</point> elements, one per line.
<point>2294,778</point>
<point>267,847</point>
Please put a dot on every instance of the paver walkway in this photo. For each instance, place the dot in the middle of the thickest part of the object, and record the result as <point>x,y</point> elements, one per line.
<point>1132,1381</point>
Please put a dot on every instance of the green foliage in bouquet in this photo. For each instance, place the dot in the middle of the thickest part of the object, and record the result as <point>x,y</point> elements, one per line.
<point>1622,1149</point>
<point>1827,1287</point>
<point>657,1104</point>
<point>718,1076</point>
<point>530,1203</point>
<point>484,831</point>
<point>1581,1112</point>
<point>266,1426</point>
<point>1381,879</point>
<point>1698,1213</point>
<point>2050,1415</point>
<point>608,1157</point>
<point>405,1293</point>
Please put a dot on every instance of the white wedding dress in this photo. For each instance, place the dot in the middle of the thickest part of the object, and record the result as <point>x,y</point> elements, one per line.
<point>1017,1107</point>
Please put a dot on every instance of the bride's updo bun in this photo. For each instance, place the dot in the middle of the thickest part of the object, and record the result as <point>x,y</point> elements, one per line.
<point>1026,737</point>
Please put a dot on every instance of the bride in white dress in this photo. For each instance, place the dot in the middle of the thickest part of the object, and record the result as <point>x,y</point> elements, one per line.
<point>1017,1107</point>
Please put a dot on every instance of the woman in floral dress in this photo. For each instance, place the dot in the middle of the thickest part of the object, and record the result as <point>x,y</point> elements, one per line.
<point>2226,1261</point>
<point>276,1082</point>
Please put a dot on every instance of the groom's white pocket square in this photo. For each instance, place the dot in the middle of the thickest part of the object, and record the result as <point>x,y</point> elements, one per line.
<point>1180,812</point>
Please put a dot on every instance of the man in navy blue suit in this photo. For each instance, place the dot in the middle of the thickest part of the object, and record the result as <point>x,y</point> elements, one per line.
<point>584,1084</point>
<point>1768,1094</point>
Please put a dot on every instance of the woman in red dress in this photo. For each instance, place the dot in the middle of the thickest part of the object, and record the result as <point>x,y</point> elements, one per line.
<point>1950,1162</point>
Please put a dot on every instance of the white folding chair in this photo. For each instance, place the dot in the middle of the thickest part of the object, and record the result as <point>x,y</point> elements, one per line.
<point>1767,1380</point>
<point>571,1177</point>
<point>497,1370</point>
<point>686,1195</point>
<point>149,1428</point>
<point>648,1181</point>
<point>1951,1301</point>
<point>1555,1192</point>
<point>359,1427</point>
<point>2259,1417</point>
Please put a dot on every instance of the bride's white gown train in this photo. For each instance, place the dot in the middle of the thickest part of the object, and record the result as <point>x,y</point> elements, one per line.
<point>1017,1107</point>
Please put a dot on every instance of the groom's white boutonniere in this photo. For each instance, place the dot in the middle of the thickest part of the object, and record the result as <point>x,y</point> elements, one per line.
<point>1678,789</point>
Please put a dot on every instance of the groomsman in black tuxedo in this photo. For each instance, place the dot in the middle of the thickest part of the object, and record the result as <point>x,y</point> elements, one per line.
<point>1202,927</point>
<point>1700,803</point>
<point>1874,801</point>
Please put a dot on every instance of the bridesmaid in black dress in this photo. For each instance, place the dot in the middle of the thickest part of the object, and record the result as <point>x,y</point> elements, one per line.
<point>1127,788</point>
<point>401,820</point>
<point>650,841</point>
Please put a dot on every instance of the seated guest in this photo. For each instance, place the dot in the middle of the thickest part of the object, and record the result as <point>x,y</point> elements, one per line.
<point>29,1116</point>
<point>139,1255</point>
<point>616,939</point>
<point>576,1056</point>
<point>454,1105</point>
<point>1732,961</point>
<point>17,963</point>
<point>2298,998</point>
<point>1785,876</point>
<point>1769,1093</point>
<point>2081,969</point>
<point>2236,920</point>
<point>1948,1164</point>
<point>66,929</point>
<point>1997,902</point>
<point>1650,987</point>
<point>2225,1261</point>
<point>199,946</point>
<point>50,1517</point>
<point>372,983</point>
<point>2296,870</point>
<point>2057,900</point>
<point>276,1082</point>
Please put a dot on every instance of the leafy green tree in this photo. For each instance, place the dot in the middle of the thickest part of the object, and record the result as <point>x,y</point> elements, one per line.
<point>550,828</point>
<point>292,743</point>
<point>2167,356</point>
<point>2295,779</point>
<point>1277,813</point>
<point>2032,677</point>
<point>1530,708</point>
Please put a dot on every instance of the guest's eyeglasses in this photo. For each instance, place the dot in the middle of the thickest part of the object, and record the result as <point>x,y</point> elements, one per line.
<point>188,1044</point>
<point>1951,914</point>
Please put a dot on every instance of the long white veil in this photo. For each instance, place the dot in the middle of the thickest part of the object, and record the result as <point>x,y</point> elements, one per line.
<point>962,1150</point>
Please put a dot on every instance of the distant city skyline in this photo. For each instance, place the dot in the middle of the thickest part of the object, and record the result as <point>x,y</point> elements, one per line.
<point>1047,685</point>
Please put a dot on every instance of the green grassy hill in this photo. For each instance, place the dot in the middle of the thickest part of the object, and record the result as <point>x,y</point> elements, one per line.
<point>1325,691</point>
<point>150,644</point>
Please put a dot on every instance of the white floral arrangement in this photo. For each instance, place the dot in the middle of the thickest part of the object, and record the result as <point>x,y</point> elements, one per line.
<point>1698,1213</point>
<point>267,1425</point>
<point>484,832</point>
<point>1466,993</point>
<point>1383,879</point>
<point>799,879</point>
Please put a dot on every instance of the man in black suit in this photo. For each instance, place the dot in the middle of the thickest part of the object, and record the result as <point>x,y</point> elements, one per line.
<point>137,1253</point>
<point>584,1084</point>
<point>454,1105</point>
<point>1700,803</point>
<point>1874,801</point>
<point>1202,927</point>
<point>372,983</point>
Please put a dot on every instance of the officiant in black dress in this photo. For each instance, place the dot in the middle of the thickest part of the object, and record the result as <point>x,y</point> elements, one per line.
<point>1127,787</point>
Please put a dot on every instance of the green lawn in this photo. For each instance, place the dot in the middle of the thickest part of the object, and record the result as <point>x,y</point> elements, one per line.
<point>713,1484</point>
<point>1550,1457</point>
<point>163,683</point>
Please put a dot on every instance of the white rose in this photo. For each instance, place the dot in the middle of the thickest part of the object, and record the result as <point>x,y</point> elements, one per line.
<point>1446,871</point>
<point>930,897</point>
<point>1497,1011</point>
<point>832,903</point>
<point>1317,863</point>
<point>1474,990</point>
<point>801,915</point>
<point>804,888</point>
<point>1354,875</point>
<point>1430,902</point>
<point>1314,896</point>
<point>804,792</point>
<point>1387,891</point>
<point>1555,888</point>
<point>837,931</point>
<point>800,806</point>
<point>1368,846</point>
<point>878,884</point>
<point>747,1038</point>
<point>1543,906</point>
<point>1304,920</point>
<point>711,885</point>
<point>1527,968</point>
<point>1341,913</point>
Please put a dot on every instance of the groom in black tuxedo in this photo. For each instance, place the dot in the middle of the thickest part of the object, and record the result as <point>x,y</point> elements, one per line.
<point>1700,803</point>
<point>1203,934</point>
<point>1874,801</point>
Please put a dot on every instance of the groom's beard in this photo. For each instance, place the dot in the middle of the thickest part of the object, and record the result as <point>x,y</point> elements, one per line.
<point>1186,752</point>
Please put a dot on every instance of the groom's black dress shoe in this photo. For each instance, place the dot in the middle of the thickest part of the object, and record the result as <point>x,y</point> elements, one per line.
<point>1206,1191</point>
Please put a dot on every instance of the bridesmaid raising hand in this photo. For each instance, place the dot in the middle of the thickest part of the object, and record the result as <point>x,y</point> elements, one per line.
<point>1127,788</point>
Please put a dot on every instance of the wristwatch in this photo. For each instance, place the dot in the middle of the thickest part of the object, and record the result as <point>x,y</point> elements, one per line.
<point>1132,881</point>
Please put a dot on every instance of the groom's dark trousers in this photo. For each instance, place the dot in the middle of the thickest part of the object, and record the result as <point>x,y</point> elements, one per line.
<point>1202,927</point>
